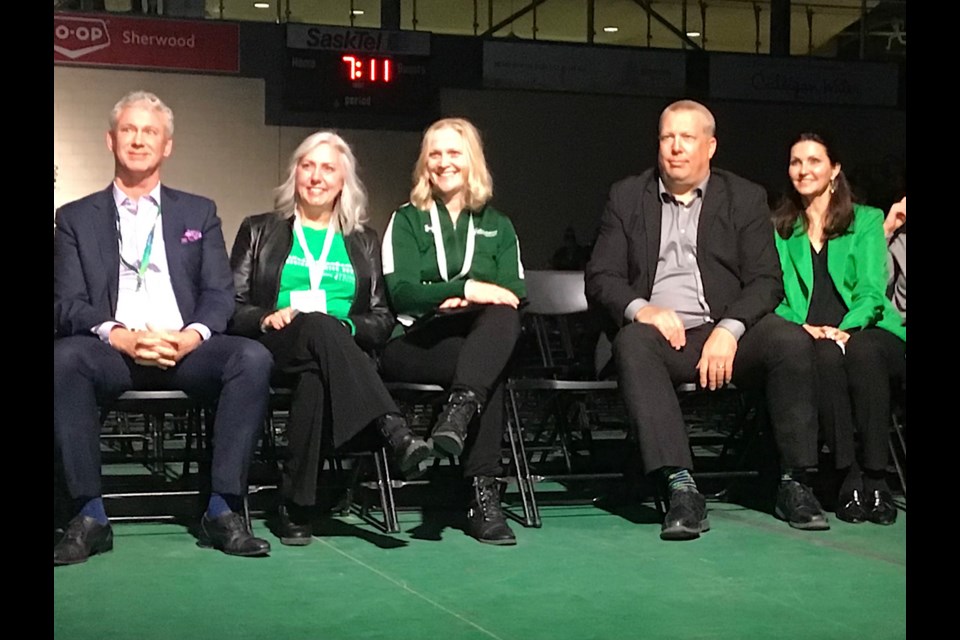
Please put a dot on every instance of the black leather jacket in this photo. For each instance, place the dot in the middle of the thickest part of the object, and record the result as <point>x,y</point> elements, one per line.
<point>259,252</point>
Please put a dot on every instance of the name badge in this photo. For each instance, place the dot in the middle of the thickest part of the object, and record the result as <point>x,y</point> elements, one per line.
<point>309,301</point>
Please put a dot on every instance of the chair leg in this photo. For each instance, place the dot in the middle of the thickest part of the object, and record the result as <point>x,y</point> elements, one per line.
<point>525,480</point>
<point>898,452</point>
<point>388,506</point>
<point>521,472</point>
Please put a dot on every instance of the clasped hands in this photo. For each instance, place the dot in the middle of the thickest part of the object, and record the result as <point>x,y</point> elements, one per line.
<point>716,358</point>
<point>827,333</point>
<point>155,347</point>
<point>482,293</point>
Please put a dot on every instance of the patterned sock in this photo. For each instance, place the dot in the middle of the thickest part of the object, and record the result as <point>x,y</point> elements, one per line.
<point>875,481</point>
<point>679,479</point>
<point>793,475</point>
<point>93,508</point>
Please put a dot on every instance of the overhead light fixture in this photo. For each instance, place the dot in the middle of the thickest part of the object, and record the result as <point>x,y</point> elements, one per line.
<point>357,12</point>
<point>261,5</point>
<point>693,34</point>
<point>611,29</point>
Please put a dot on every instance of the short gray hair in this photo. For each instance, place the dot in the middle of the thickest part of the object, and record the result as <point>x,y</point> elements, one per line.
<point>149,101</point>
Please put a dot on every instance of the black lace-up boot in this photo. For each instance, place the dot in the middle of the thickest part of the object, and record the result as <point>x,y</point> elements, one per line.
<point>485,519</point>
<point>409,449</point>
<point>451,430</point>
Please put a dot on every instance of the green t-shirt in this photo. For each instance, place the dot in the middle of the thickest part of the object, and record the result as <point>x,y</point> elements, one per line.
<point>339,280</point>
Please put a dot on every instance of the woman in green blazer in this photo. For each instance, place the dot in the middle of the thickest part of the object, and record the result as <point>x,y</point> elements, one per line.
<point>833,256</point>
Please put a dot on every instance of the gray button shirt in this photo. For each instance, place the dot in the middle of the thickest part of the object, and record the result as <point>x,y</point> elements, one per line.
<point>677,284</point>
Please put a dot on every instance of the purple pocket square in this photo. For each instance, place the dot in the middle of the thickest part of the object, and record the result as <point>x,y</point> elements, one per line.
<point>191,235</point>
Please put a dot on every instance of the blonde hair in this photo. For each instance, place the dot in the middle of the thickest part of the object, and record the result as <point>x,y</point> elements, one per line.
<point>709,122</point>
<point>479,183</point>
<point>351,206</point>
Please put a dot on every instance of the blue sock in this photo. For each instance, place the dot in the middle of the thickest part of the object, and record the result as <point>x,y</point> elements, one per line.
<point>94,509</point>
<point>679,479</point>
<point>219,504</point>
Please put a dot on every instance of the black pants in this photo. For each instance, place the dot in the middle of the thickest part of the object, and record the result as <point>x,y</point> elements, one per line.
<point>854,394</point>
<point>337,392</point>
<point>231,372</point>
<point>472,353</point>
<point>774,355</point>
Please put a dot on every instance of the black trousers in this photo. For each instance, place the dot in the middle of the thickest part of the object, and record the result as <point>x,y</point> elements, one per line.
<point>466,353</point>
<point>337,392</point>
<point>231,372</point>
<point>854,394</point>
<point>774,355</point>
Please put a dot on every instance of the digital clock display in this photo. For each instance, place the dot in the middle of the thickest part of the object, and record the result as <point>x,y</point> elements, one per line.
<point>352,77</point>
<point>376,70</point>
<point>359,83</point>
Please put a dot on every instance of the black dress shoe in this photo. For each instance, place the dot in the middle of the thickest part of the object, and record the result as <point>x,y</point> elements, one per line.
<point>687,517</point>
<point>409,449</point>
<point>485,519</point>
<point>292,533</point>
<point>83,538</point>
<point>850,507</point>
<point>450,432</point>
<point>228,534</point>
<point>800,508</point>
<point>880,508</point>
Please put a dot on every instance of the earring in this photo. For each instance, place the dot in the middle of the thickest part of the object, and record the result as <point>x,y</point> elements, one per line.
<point>833,185</point>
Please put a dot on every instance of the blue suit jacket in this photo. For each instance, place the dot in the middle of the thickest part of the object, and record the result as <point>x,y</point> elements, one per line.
<point>86,262</point>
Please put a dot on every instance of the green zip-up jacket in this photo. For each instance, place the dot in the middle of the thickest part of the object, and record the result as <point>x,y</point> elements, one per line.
<point>410,266</point>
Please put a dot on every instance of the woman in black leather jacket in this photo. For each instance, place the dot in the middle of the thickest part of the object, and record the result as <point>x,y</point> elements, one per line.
<point>309,286</point>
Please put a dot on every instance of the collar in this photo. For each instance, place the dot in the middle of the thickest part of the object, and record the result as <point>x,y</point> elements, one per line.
<point>666,196</point>
<point>123,201</point>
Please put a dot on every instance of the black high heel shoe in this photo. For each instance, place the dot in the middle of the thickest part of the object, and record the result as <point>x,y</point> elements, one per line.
<point>850,507</point>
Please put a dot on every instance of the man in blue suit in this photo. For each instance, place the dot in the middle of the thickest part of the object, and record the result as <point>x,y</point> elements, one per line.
<point>142,291</point>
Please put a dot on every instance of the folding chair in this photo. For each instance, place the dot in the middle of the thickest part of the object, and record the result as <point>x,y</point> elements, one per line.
<point>154,419</point>
<point>898,436</point>
<point>420,403</point>
<point>160,420</point>
<point>580,404</point>
<point>381,484</point>
<point>565,391</point>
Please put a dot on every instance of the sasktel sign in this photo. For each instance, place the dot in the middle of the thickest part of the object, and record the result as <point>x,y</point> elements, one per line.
<point>104,40</point>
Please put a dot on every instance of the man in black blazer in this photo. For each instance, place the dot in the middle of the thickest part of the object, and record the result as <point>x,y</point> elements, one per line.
<point>686,268</point>
<point>142,291</point>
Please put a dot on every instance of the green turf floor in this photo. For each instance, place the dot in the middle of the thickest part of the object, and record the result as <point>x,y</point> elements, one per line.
<point>586,574</point>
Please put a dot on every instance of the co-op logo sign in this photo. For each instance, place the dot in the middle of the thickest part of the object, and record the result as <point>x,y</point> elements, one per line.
<point>76,37</point>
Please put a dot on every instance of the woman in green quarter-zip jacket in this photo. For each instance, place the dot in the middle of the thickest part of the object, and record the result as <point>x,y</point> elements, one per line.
<point>453,272</point>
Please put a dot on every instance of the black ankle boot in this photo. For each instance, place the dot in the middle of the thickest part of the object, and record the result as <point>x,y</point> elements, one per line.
<point>451,430</point>
<point>485,519</point>
<point>295,528</point>
<point>409,449</point>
